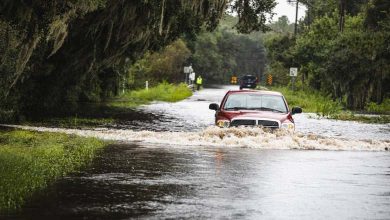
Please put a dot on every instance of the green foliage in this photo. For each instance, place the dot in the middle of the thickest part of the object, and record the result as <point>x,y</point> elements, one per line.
<point>378,15</point>
<point>207,59</point>
<point>252,14</point>
<point>57,54</point>
<point>340,65</point>
<point>29,161</point>
<point>327,109</point>
<point>383,108</point>
<point>156,67</point>
<point>282,25</point>
<point>162,92</point>
<point>280,57</point>
<point>351,66</point>
<point>223,53</point>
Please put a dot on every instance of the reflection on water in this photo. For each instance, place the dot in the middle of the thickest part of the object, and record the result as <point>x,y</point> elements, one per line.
<point>129,181</point>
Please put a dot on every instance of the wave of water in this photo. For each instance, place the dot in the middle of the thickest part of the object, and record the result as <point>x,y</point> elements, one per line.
<point>228,137</point>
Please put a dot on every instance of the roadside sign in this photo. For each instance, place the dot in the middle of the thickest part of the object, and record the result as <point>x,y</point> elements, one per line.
<point>233,80</point>
<point>293,71</point>
<point>186,69</point>
<point>269,79</point>
<point>293,74</point>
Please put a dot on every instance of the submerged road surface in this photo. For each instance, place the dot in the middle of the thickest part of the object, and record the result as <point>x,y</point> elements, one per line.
<point>162,173</point>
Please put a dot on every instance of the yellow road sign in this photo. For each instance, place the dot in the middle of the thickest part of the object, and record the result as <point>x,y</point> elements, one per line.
<point>233,80</point>
<point>269,79</point>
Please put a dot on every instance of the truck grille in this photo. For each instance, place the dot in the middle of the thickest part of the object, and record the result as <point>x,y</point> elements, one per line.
<point>268,124</point>
<point>244,122</point>
<point>250,122</point>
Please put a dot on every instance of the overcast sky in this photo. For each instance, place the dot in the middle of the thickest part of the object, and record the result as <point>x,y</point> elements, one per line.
<point>284,8</point>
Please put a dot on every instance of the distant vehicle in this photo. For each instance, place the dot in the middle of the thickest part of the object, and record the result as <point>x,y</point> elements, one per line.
<point>254,108</point>
<point>248,81</point>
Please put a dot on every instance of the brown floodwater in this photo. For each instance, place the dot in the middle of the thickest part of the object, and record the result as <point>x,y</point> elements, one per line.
<point>147,182</point>
<point>176,165</point>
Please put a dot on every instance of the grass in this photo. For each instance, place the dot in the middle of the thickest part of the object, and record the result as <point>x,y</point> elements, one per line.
<point>163,92</point>
<point>29,161</point>
<point>311,101</point>
<point>324,106</point>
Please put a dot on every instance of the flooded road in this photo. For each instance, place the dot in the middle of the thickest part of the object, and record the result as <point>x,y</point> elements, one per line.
<point>206,173</point>
<point>130,181</point>
<point>193,115</point>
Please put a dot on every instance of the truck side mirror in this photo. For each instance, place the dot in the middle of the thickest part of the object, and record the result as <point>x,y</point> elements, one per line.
<point>296,110</point>
<point>214,106</point>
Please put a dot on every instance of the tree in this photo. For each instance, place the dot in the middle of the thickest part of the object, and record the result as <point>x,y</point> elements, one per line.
<point>224,53</point>
<point>164,65</point>
<point>56,52</point>
<point>252,14</point>
<point>282,25</point>
<point>353,65</point>
<point>279,56</point>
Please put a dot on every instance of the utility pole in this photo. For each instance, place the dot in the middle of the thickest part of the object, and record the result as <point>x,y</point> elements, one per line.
<point>296,18</point>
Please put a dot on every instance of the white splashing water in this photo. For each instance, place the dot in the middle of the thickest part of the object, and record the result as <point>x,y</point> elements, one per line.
<point>228,137</point>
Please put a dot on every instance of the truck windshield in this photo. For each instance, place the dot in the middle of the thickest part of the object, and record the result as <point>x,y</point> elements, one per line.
<point>255,102</point>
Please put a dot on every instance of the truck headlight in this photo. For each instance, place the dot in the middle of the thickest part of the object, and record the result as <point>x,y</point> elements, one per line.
<point>288,126</point>
<point>223,123</point>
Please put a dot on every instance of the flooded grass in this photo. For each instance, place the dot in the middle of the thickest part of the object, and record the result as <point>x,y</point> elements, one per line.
<point>349,116</point>
<point>29,161</point>
<point>72,122</point>
<point>113,112</point>
<point>310,101</point>
<point>324,106</point>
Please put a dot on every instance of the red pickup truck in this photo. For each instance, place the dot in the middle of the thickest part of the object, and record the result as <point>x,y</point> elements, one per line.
<point>254,108</point>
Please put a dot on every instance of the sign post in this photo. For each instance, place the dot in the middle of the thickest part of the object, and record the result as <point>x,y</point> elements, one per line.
<point>188,71</point>
<point>293,74</point>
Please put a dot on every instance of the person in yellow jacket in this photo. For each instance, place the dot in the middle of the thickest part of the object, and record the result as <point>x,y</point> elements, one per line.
<point>199,81</point>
